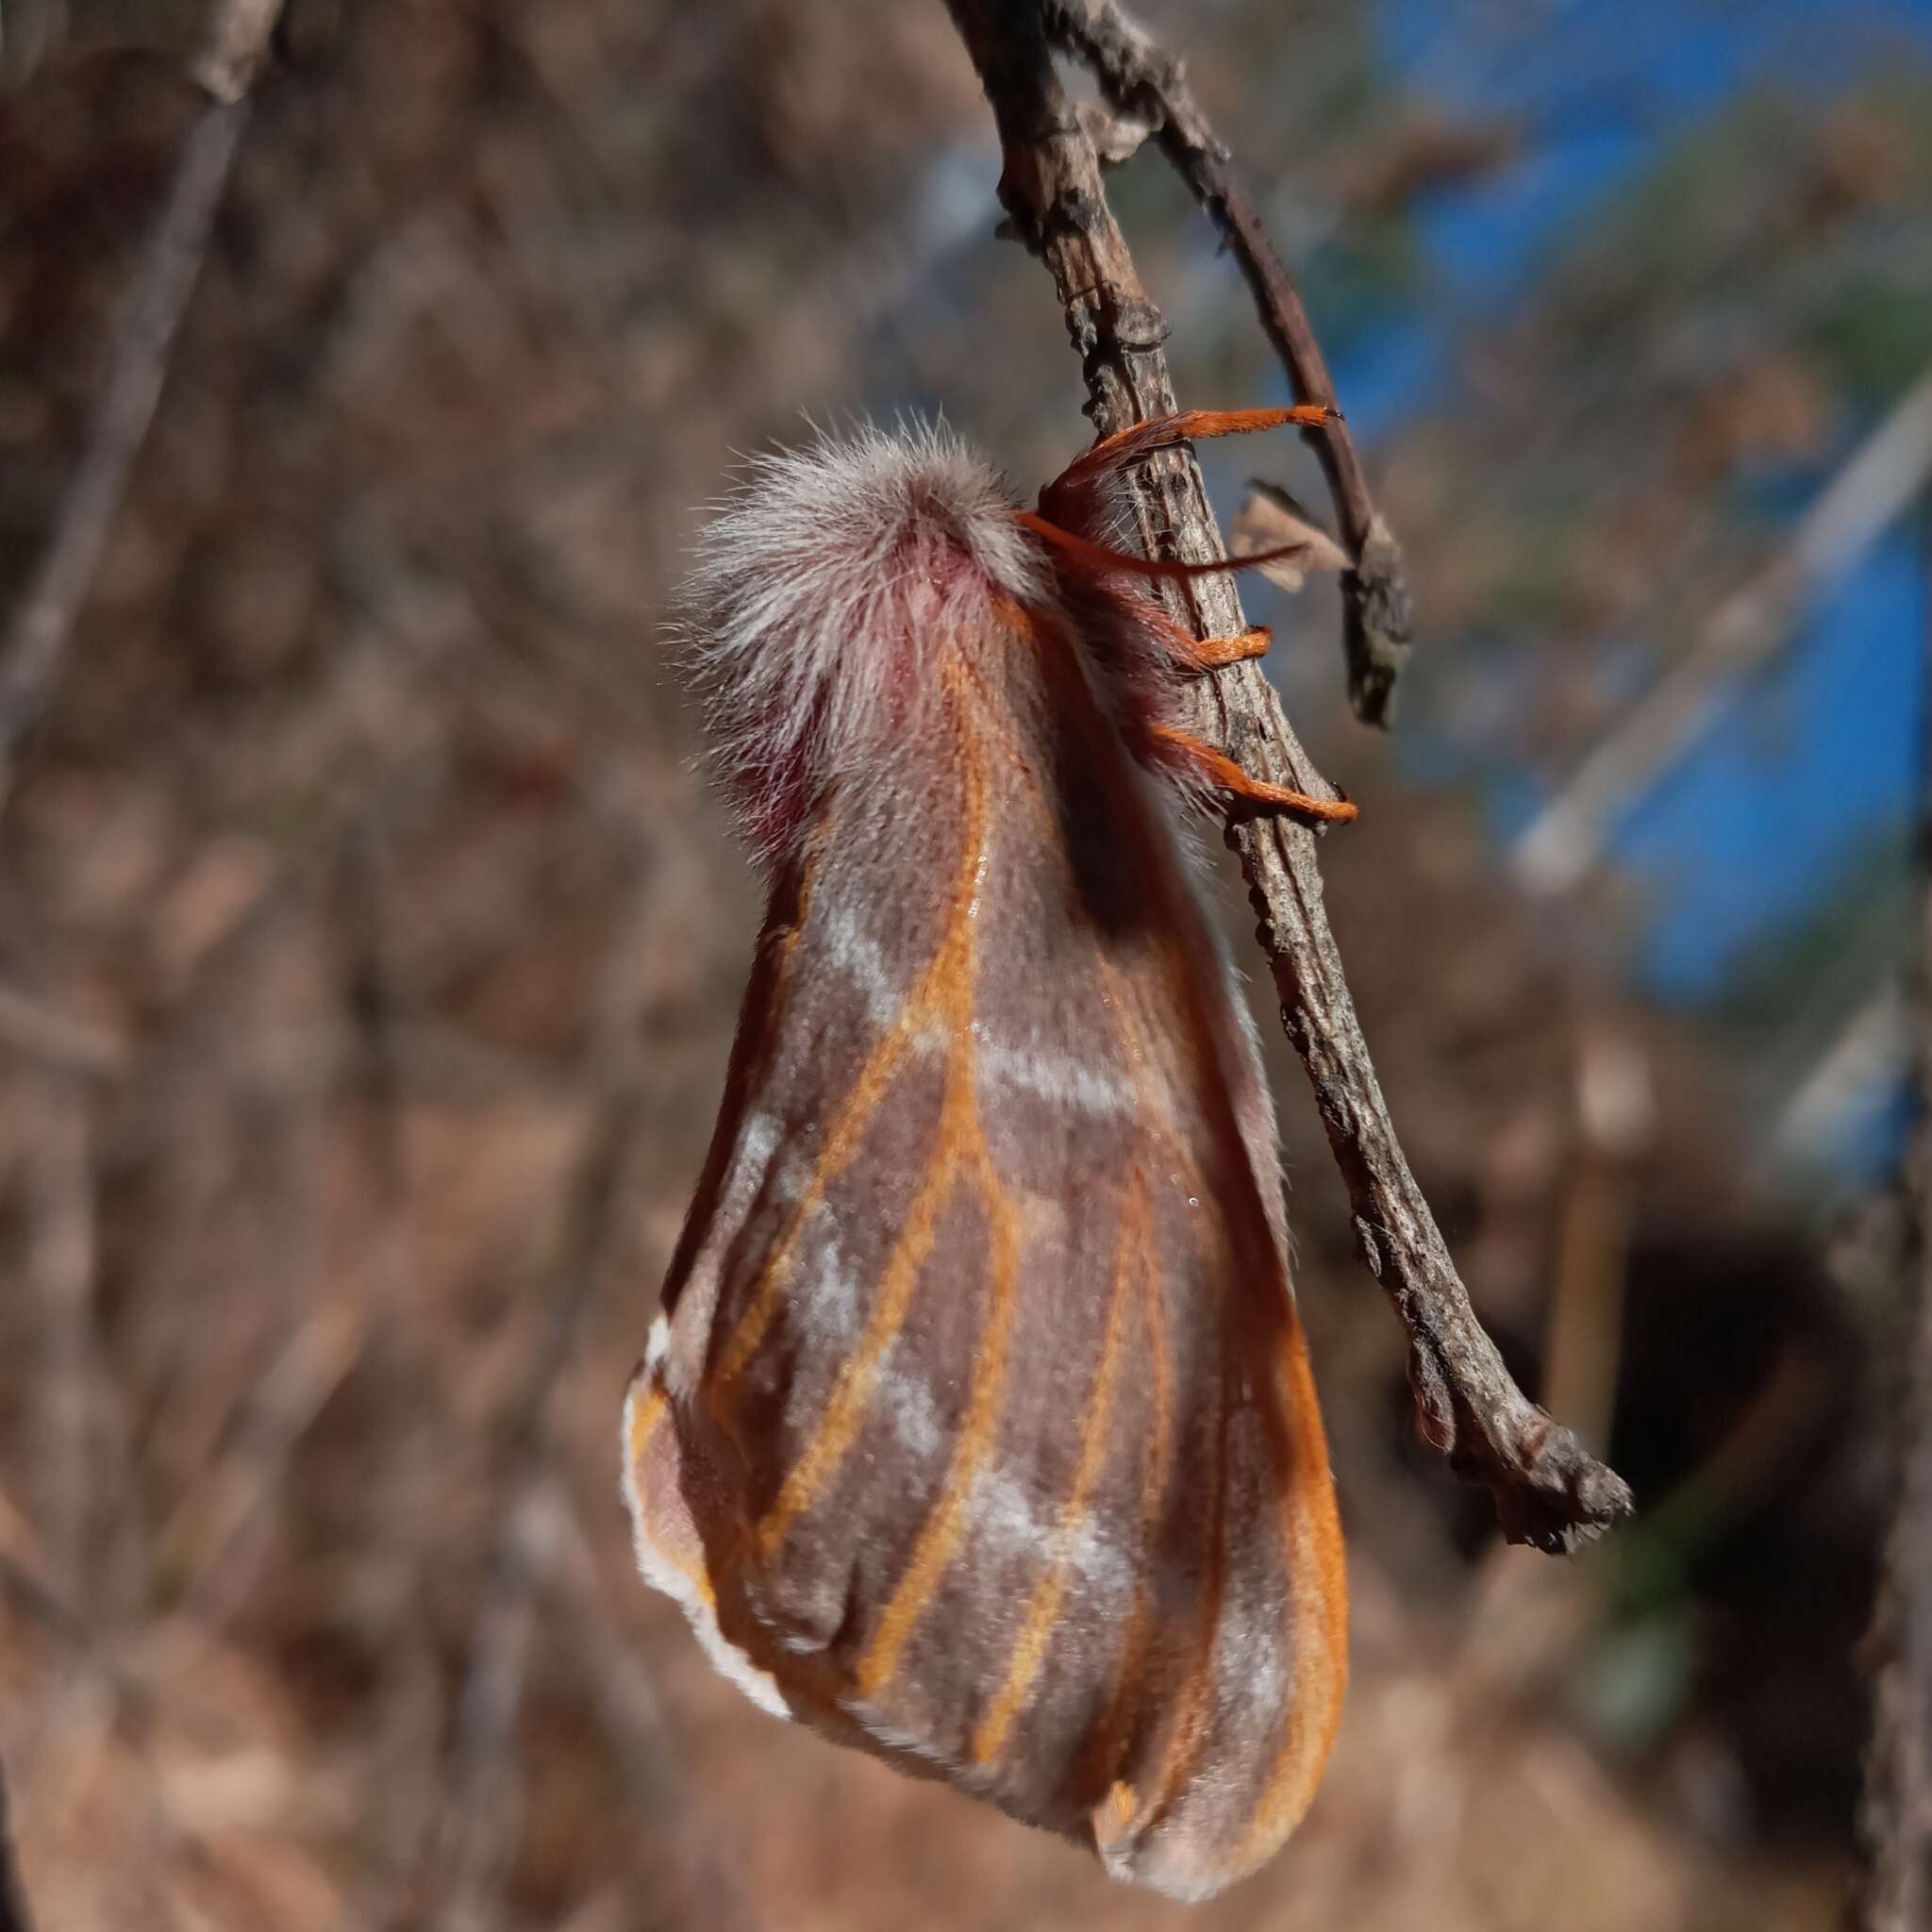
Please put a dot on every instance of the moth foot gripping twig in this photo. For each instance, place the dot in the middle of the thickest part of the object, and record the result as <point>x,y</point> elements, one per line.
<point>1216,769</point>
<point>1216,653</point>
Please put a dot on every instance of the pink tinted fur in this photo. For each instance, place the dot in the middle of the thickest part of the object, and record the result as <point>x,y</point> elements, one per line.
<point>826,589</point>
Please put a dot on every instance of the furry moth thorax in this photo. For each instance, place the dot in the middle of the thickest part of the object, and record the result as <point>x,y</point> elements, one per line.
<point>823,590</point>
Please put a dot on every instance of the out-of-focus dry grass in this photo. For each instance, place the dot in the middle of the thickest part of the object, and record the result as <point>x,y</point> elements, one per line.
<point>369,950</point>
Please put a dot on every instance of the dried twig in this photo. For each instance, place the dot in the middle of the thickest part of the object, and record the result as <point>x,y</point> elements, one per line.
<point>1895,1816</point>
<point>37,638</point>
<point>1616,1125</point>
<point>475,1834</point>
<point>218,41</point>
<point>13,1916</point>
<point>91,1523</point>
<point>626,1702</point>
<point>229,46</point>
<point>1548,1489</point>
<point>1148,86</point>
<point>219,1535</point>
<point>49,1040</point>
<point>61,1266</point>
<point>388,1591</point>
<point>1566,841</point>
<point>478,1831</point>
<point>1871,1050</point>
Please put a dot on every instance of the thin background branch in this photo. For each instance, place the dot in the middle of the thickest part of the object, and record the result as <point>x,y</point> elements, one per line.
<point>1566,841</point>
<point>1895,1812</point>
<point>38,637</point>
<point>1548,1489</point>
<point>483,1787</point>
<point>1150,87</point>
<point>231,43</point>
<point>13,1916</point>
<point>219,43</point>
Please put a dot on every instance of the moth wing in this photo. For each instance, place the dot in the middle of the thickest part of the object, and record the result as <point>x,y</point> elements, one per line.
<point>980,1429</point>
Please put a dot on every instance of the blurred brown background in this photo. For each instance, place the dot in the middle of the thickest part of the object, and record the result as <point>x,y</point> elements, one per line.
<point>369,946</point>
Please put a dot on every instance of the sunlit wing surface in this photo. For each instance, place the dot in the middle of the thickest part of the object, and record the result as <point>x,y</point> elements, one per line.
<point>980,1429</point>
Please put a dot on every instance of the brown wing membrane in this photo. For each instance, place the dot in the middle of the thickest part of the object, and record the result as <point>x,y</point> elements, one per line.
<point>980,1430</point>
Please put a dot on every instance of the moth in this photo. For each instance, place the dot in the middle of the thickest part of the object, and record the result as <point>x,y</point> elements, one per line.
<point>977,1429</point>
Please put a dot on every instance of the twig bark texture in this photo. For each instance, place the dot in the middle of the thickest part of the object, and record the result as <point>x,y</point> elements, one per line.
<point>1548,1491</point>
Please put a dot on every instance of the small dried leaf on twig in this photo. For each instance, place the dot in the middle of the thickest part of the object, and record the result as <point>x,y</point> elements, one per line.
<point>1117,137</point>
<point>1271,519</point>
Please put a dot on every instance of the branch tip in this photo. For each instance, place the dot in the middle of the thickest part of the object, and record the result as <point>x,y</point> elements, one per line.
<point>1549,1491</point>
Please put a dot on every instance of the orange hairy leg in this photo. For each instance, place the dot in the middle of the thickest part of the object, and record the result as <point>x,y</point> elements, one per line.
<point>1201,653</point>
<point>1102,561</point>
<point>1141,439</point>
<point>1184,425</point>
<point>1211,654</point>
<point>1196,757</point>
<point>1188,651</point>
<point>1181,750</point>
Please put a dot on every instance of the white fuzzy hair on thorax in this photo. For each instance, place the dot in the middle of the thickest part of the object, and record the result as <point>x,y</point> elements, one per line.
<point>822,590</point>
